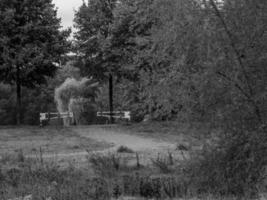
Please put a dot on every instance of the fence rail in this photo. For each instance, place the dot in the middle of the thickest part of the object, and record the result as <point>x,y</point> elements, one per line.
<point>45,117</point>
<point>115,114</point>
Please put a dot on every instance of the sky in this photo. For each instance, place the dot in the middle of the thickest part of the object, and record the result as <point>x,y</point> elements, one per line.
<point>66,10</point>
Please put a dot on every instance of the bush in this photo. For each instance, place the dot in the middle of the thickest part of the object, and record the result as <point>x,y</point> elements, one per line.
<point>164,163</point>
<point>124,149</point>
<point>105,165</point>
<point>235,167</point>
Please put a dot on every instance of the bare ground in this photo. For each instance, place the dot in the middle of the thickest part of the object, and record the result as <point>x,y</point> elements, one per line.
<point>75,143</point>
<point>119,137</point>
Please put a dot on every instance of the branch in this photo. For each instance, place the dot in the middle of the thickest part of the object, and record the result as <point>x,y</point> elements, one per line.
<point>235,84</point>
<point>231,39</point>
<point>242,65</point>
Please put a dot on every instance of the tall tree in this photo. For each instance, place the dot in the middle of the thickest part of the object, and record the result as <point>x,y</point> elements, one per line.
<point>242,25</point>
<point>31,43</point>
<point>93,20</point>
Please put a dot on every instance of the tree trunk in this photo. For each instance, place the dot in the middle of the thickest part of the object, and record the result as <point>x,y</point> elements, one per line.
<point>18,100</point>
<point>111,98</point>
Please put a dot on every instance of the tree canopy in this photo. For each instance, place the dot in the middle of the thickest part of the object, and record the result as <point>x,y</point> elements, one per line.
<point>31,43</point>
<point>186,59</point>
<point>93,20</point>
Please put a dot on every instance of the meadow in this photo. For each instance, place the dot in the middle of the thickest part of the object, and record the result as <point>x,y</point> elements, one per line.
<point>80,163</point>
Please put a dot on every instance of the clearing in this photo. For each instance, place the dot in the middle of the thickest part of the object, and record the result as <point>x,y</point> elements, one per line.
<point>74,143</point>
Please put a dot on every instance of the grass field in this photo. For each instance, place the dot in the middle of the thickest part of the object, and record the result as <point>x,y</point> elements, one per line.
<point>50,139</point>
<point>194,135</point>
<point>52,142</point>
<point>57,140</point>
<point>112,155</point>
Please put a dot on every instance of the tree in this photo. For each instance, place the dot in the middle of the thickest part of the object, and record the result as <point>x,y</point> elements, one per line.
<point>150,38</point>
<point>186,57</point>
<point>93,23</point>
<point>243,55</point>
<point>31,43</point>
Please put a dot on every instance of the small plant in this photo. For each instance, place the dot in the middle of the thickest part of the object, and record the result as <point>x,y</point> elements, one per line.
<point>105,165</point>
<point>163,163</point>
<point>124,149</point>
<point>20,156</point>
<point>170,158</point>
<point>5,158</point>
<point>182,147</point>
<point>138,165</point>
<point>236,166</point>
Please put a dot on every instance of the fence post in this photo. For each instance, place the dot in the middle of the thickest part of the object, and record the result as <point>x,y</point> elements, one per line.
<point>58,117</point>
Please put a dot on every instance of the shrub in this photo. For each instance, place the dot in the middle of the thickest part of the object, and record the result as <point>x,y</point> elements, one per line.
<point>124,149</point>
<point>235,167</point>
<point>105,165</point>
<point>164,163</point>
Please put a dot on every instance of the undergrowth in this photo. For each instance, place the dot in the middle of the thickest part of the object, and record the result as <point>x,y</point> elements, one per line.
<point>236,166</point>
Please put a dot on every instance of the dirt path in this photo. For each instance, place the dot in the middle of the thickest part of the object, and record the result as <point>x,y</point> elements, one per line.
<point>145,146</point>
<point>117,138</point>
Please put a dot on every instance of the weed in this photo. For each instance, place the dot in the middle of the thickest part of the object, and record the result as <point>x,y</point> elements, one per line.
<point>234,167</point>
<point>163,163</point>
<point>105,165</point>
<point>138,165</point>
<point>20,156</point>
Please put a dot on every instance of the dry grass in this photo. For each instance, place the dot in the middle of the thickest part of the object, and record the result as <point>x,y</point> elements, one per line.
<point>49,140</point>
<point>192,136</point>
<point>113,177</point>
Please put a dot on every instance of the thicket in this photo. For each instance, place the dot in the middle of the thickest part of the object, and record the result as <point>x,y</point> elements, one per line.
<point>39,99</point>
<point>114,177</point>
<point>32,42</point>
<point>193,61</point>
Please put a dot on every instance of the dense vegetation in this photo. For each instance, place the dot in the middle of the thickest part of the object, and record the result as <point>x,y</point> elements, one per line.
<point>31,44</point>
<point>189,60</point>
<point>186,60</point>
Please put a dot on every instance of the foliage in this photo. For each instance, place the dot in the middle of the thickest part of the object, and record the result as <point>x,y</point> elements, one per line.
<point>30,40</point>
<point>31,43</point>
<point>77,96</point>
<point>164,164</point>
<point>188,60</point>
<point>36,100</point>
<point>7,109</point>
<point>124,149</point>
<point>92,21</point>
<point>105,165</point>
<point>236,166</point>
<point>44,179</point>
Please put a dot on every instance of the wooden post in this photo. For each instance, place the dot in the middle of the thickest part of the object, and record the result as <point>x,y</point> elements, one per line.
<point>111,98</point>
<point>18,100</point>
<point>58,117</point>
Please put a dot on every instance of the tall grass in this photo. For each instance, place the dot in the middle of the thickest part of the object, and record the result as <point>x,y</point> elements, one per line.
<point>235,168</point>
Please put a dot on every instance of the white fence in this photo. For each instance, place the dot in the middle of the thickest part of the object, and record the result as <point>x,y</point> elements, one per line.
<point>46,117</point>
<point>116,114</point>
<point>68,116</point>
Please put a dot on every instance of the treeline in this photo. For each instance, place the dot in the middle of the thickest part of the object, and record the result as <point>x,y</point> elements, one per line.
<point>191,61</point>
<point>32,44</point>
<point>34,100</point>
<point>187,60</point>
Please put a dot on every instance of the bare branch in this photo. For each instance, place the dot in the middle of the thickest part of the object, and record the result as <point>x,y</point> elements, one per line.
<point>232,43</point>
<point>239,59</point>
